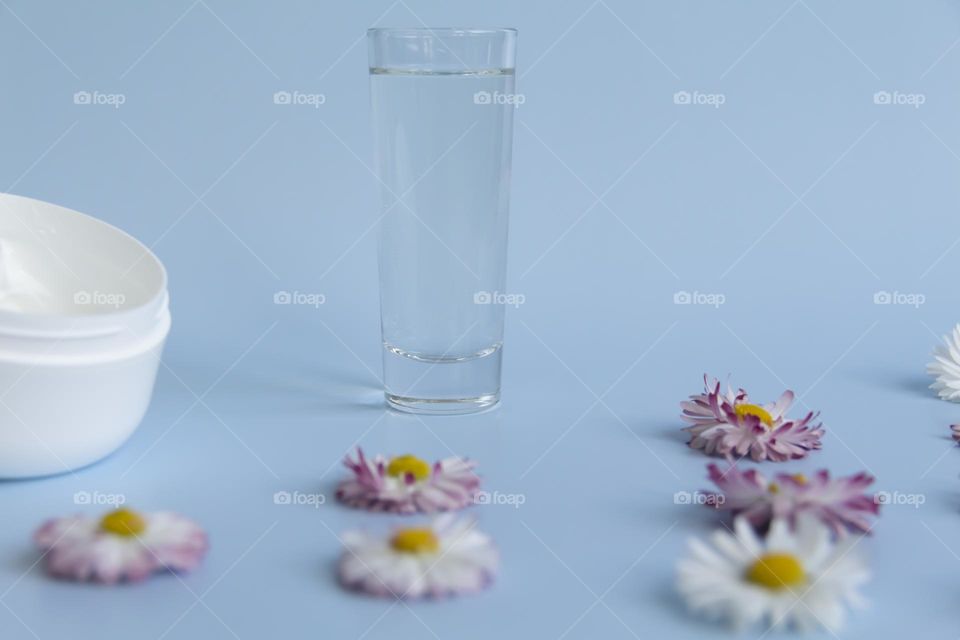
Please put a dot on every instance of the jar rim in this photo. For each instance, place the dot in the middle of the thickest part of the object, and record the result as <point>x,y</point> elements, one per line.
<point>103,320</point>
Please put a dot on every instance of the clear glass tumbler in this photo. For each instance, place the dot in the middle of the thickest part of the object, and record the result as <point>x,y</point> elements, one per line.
<point>443,103</point>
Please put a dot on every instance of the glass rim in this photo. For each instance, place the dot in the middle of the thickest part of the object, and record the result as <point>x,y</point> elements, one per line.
<point>419,32</point>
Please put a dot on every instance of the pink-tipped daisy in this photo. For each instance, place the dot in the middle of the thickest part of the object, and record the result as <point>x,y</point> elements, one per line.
<point>840,503</point>
<point>796,578</point>
<point>406,484</point>
<point>447,557</point>
<point>122,545</point>
<point>727,424</point>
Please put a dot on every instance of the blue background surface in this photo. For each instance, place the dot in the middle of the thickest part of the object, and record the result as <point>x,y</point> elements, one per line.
<point>798,199</point>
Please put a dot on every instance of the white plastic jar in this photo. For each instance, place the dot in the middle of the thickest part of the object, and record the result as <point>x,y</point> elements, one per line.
<point>83,320</point>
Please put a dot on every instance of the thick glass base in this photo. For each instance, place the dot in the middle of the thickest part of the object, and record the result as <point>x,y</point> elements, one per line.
<point>449,406</point>
<point>442,385</point>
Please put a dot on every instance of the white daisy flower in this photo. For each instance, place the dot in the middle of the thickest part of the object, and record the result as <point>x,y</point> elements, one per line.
<point>799,579</point>
<point>123,545</point>
<point>446,557</point>
<point>946,367</point>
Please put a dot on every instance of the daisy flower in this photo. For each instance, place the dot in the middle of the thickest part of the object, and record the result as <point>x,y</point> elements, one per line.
<point>407,484</point>
<point>840,503</point>
<point>727,424</point>
<point>795,579</point>
<point>122,545</point>
<point>447,557</point>
<point>946,367</point>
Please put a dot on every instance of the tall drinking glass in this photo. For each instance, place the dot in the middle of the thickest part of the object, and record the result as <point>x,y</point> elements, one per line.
<point>443,103</point>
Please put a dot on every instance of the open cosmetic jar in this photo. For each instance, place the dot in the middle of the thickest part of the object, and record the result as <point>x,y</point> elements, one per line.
<point>83,320</point>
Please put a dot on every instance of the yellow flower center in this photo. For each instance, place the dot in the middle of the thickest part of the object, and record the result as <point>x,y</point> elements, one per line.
<point>799,478</point>
<point>776,571</point>
<point>754,410</point>
<point>400,466</point>
<point>123,522</point>
<point>415,540</point>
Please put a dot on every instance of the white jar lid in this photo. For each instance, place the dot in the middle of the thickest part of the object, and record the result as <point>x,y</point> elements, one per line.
<point>65,275</point>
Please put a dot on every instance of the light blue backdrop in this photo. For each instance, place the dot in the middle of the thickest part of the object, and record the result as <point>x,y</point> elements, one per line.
<point>797,199</point>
